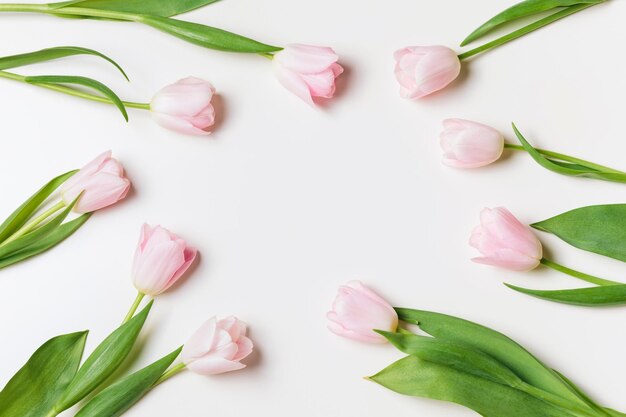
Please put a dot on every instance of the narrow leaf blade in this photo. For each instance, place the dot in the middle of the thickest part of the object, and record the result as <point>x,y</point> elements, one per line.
<point>589,297</point>
<point>149,7</point>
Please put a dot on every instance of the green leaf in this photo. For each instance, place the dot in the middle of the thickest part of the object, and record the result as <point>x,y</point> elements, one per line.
<point>150,7</point>
<point>589,401</point>
<point>207,36</point>
<point>589,297</point>
<point>50,240</point>
<point>24,212</point>
<point>104,360</point>
<point>82,81</point>
<point>600,229</point>
<point>567,168</point>
<point>500,347</point>
<point>119,397</point>
<point>34,389</point>
<point>521,10</point>
<point>416,377</point>
<point>50,54</point>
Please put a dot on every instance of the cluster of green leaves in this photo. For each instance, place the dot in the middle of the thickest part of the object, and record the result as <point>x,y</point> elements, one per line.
<point>471,365</point>
<point>54,380</point>
<point>42,238</point>
<point>64,83</point>
<point>158,14</point>
<point>599,229</point>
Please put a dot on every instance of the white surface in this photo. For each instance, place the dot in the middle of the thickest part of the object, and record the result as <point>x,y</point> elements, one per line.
<point>286,202</point>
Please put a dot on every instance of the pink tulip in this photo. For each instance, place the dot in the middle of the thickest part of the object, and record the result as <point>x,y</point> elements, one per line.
<point>307,71</point>
<point>160,260</point>
<point>468,144</point>
<point>504,241</point>
<point>358,311</point>
<point>217,346</point>
<point>101,181</point>
<point>185,106</point>
<point>422,70</point>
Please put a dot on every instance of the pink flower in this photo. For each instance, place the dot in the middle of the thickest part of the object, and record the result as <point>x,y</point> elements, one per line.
<point>101,181</point>
<point>358,311</point>
<point>217,346</point>
<point>185,106</point>
<point>504,241</point>
<point>160,260</point>
<point>307,71</point>
<point>422,70</point>
<point>468,144</point>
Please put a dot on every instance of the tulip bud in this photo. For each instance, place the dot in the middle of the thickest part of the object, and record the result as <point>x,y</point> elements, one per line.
<point>422,70</point>
<point>101,181</point>
<point>505,242</point>
<point>468,144</point>
<point>358,311</point>
<point>307,71</point>
<point>217,346</point>
<point>185,106</point>
<point>160,260</point>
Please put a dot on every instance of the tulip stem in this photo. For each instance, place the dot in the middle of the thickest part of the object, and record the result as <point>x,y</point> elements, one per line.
<point>567,158</point>
<point>525,30</point>
<point>133,308</point>
<point>29,227</point>
<point>72,91</point>
<point>576,274</point>
<point>170,373</point>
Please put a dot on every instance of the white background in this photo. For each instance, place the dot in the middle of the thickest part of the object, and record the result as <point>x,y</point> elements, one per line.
<point>285,202</point>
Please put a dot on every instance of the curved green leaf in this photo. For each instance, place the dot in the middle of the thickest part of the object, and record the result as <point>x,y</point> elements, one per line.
<point>151,7</point>
<point>34,389</point>
<point>600,229</point>
<point>207,36</point>
<point>50,240</point>
<point>104,360</point>
<point>416,377</point>
<point>50,54</point>
<point>590,297</point>
<point>524,9</point>
<point>83,81</point>
<point>119,397</point>
<point>24,212</point>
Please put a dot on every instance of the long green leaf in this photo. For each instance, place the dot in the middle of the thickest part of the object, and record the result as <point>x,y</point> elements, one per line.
<point>24,212</point>
<point>83,81</point>
<point>119,397</point>
<point>34,389</point>
<point>600,229</point>
<point>163,8</point>
<point>594,405</point>
<point>416,377</point>
<point>104,360</point>
<point>521,10</point>
<point>589,297</point>
<point>50,54</point>
<point>52,239</point>
<point>502,348</point>
<point>207,36</point>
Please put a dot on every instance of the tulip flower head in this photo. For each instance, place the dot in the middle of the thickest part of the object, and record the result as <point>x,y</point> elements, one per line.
<point>161,258</point>
<point>185,106</point>
<point>307,71</point>
<point>505,242</point>
<point>422,70</point>
<point>218,346</point>
<point>468,144</point>
<point>101,181</point>
<point>358,311</point>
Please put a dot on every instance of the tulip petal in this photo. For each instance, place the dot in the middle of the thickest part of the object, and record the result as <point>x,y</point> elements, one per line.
<point>214,365</point>
<point>306,58</point>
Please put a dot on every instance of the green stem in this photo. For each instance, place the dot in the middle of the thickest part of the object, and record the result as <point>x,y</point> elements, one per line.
<point>133,308</point>
<point>560,402</point>
<point>567,158</point>
<point>576,274</point>
<point>69,11</point>
<point>525,30</point>
<point>71,91</point>
<point>267,55</point>
<point>170,373</point>
<point>29,227</point>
